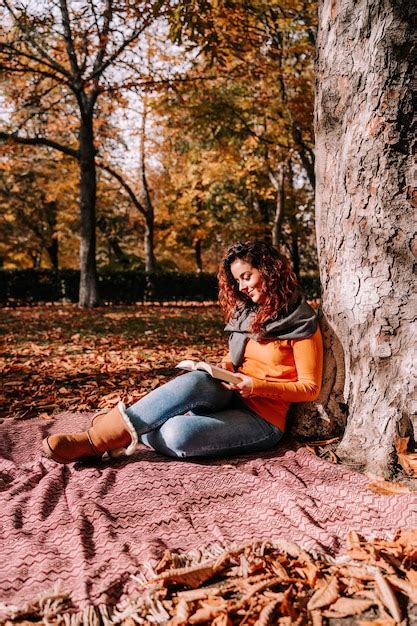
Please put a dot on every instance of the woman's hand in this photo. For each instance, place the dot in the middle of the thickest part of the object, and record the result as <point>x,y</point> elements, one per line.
<point>244,388</point>
<point>227,365</point>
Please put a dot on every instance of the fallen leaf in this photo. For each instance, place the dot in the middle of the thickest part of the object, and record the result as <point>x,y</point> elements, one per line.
<point>401,444</point>
<point>412,577</point>
<point>208,612</point>
<point>344,607</point>
<point>333,458</point>
<point>191,595</point>
<point>324,596</point>
<point>182,613</point>
<point>222,620</point>
<point>409,463</point>
<point>266,613</point>
<point>407,460</point>
<point>388,488</point>
<point>192,576</point>
<point>387,595</point>
<point>359,554</point>
<point>353,540</point>
<point>377,622</point>
<point>404,586</point>
<point>45,416</point>
<point>316,617</point>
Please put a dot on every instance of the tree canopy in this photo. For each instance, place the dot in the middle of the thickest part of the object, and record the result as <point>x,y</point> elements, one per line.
<point>188,124</point>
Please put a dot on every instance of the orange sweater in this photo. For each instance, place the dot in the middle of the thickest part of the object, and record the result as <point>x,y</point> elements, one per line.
<point>283,371</point>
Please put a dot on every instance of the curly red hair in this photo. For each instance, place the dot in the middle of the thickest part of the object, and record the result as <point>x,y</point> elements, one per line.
<point>280,285</point>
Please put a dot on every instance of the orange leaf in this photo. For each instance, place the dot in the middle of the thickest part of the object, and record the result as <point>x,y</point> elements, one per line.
<point>387,488</point>
<point>407,588</point>
<point>316,618</point>
<point>387,596</point>
<point>343,607</point>
<point>45,416</point>
<point>353,540</point>
<point>377,622</point>
<point>192,576</point>
<point>325,595</point>
<point>409,463</point>
<point>401,444</point>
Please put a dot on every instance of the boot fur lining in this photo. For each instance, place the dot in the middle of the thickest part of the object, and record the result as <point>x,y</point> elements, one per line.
<point>134,443</point>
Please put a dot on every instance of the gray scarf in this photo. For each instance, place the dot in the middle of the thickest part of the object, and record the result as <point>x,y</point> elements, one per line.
<point>300,323</point>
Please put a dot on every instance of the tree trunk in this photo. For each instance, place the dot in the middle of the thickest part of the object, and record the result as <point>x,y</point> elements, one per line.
<point>88,296</point>
<point>364,217</point>
<point>295,249</point>
<point>198,255</point>
<point>150,263</point>
<point>52,251</point>
<point>279,207</point>
<point>52,248</point>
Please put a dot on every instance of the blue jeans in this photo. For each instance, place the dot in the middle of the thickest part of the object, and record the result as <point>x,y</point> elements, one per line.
<point>194,415</point>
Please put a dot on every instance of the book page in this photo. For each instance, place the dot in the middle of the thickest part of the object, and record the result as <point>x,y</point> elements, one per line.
<point>216,372</point>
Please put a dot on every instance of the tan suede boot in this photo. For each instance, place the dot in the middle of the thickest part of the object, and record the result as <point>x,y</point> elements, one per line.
<point>110,432</point>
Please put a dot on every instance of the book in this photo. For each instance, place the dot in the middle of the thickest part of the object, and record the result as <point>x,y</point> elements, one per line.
<point>213,370</point>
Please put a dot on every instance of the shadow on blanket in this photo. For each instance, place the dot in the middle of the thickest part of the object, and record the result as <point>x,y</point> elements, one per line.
<point>90,528</point>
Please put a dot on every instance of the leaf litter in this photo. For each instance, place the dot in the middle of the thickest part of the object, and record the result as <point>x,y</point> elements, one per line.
<point>62,358</point>
<point>369,584</point>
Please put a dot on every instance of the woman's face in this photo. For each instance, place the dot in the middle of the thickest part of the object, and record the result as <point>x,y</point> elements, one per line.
<point>249,279</point>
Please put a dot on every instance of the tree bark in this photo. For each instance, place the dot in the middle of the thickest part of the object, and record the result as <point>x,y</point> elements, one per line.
<point>88,296</point>
<point>150,261</point>
<point>295,248</point>
<point>52,248</point>
<point>198,248</point>
<point>277,180</point>
<point>150,264</point>
<point>52,251</point>
<point>364,200</point>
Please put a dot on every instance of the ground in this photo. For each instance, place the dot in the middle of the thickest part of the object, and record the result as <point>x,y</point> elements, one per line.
<point>57,358</point>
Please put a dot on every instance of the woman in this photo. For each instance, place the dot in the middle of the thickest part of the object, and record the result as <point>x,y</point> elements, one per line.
<point>276,349</point>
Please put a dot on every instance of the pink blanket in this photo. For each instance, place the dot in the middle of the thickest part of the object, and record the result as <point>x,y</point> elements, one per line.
<point>91,527</point>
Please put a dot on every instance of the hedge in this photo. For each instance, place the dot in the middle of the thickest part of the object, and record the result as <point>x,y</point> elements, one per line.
<point>33,286</point>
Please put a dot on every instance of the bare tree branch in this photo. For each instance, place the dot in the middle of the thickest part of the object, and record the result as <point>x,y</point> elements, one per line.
<point>15,52</point>
<point>125,186</point>
<point>103,35</point>
<point>40,141</point>
<point>98,71</point>
<point>69,44</point>
<point>27,32</point>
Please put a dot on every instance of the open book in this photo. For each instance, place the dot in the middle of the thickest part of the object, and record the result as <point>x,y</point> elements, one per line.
<point>213,370</point>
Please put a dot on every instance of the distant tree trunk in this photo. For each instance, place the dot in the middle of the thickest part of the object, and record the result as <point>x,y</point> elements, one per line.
<point>36,259</point>
<point>150,264</point>
<point>150,261</point>
<point>88,296</point>
<point>364,131</point>
<point>295,250</point>
<point>52,251</point>
<point>198,255</point>
<point>277,179</point>
<point>52,248</point>
<point>114,246</point>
